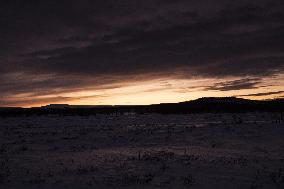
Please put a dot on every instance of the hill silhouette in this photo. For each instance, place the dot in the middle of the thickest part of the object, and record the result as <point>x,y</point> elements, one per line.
<point>201,105</point>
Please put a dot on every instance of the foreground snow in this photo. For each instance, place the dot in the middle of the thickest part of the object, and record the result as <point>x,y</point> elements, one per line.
<point>143,151</point>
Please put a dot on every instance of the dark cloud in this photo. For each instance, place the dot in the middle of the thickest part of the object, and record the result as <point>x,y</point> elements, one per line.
<point>72,44</point>
<point>246,83</point>
<point>263,94</point>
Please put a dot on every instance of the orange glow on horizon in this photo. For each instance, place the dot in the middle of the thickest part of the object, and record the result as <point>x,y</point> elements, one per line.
<point>152,92</point>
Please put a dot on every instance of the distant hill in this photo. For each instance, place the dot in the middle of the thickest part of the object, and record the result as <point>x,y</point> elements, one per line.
<point>221,104</point>
<point>201,105</point>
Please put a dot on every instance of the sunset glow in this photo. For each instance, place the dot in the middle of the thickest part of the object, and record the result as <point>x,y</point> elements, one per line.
<point>156,91</point>
<point>132,52</point>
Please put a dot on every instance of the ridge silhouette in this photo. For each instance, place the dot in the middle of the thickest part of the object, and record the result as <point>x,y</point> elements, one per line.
<point>201,105</point>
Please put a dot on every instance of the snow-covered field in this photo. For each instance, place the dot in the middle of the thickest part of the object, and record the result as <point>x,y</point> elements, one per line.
<point>143,151</point>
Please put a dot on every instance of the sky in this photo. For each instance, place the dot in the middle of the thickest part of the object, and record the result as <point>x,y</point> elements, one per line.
<point>139,52</point>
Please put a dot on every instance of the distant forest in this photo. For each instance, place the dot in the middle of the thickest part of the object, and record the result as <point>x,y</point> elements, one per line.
<point>202,105</point>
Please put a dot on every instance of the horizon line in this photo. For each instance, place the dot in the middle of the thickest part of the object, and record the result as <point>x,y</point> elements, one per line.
<point>113,105</point>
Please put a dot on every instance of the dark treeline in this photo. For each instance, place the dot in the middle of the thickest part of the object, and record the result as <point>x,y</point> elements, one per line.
<point>202,105</point>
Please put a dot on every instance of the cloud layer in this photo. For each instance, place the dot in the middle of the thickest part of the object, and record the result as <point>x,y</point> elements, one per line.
<point>59,46</point>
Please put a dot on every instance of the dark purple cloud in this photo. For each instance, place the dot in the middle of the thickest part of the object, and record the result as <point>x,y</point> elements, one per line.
<point>263,94</point>
<point>246,83</point>
<point>90,42</point>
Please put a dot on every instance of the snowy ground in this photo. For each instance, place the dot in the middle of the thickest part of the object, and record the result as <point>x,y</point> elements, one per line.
<point>143,151</point>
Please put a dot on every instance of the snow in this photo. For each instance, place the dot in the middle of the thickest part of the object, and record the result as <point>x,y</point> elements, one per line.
<point>143,151</point>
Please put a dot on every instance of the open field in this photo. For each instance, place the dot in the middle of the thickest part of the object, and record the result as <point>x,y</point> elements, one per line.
<point>244,150</point>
